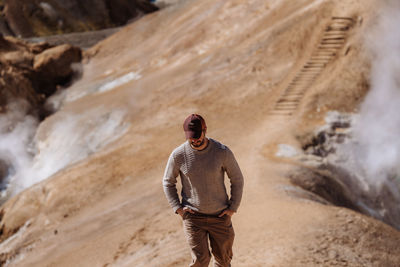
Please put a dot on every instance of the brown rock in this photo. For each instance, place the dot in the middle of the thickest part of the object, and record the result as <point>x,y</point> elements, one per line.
<point>19,58</point>
<point>120,11</point>
<point>16,70</point>
<point>54,66</point>
<point>38,48</point>
<point>16,20</point>
<point>16,85</point>
<point>4,29</point>
<point>32,72</point>
<point>38,18</point>
<point>3,171</point>
<point>4,45</point>
<point>56,61</point>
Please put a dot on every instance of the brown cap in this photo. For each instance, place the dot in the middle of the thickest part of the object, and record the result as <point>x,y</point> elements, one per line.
<point>193,126</point>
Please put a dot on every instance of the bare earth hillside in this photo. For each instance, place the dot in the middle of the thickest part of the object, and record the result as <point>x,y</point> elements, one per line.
<point>42,18</point>
<point>262,73</point>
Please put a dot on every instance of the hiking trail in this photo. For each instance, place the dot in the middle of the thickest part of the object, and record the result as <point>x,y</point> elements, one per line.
<point>331,43</point>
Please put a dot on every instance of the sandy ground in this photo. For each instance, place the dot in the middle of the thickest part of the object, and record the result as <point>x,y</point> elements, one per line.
<point>230,61</point>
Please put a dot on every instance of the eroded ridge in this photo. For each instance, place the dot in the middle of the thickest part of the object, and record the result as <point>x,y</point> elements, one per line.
<point>331,43</point>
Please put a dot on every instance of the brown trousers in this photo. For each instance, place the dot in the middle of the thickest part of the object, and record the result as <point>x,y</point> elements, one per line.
<point>199,228</point>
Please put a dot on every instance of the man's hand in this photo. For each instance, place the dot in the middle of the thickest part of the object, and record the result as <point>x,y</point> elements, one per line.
<point>182,211</point>
<point>227,212</point>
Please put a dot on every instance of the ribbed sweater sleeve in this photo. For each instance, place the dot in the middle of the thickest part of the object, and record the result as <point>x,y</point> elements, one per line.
<point>169,183</point>
<point>236,178</point>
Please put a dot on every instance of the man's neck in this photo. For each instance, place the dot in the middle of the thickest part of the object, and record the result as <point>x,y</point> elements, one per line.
<point>203,146</point>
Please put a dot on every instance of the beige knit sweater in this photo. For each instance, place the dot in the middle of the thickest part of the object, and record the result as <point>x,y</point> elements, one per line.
<point>202,176</point>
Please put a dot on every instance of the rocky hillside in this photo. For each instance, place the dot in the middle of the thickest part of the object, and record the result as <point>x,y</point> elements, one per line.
<point>266,75</point>
<point>32,72</point>
<point>38,18</point>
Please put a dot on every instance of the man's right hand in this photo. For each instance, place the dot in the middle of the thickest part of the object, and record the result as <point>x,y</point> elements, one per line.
<point>181,211</point>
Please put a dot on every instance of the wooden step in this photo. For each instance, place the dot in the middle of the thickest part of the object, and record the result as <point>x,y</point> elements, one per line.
<point>286,104</point>
<point>333,42</point>
<point>279,113</point>
<point>332,33</point>
<point>289,109</point>
<point>317,59</point>
<point>343,18</point>
<point>339,29</point>
<point>300,83</point>
<point>315,64</point>
<point>290,99</point>
<point>284,100</point>
<point>303,79</point>
<point>303,82</point>
<point>285,109</point>
<point>340,24</point>
<point>294,94</point>
<point>307,74</point>
<point>323,53</point>
<point>330,45</point>
<point>322,56</point>
<point>307,78</point>
<point>313,67</point>
<point>334,38</point>
<point>307,71</point>
<point>327,48</point>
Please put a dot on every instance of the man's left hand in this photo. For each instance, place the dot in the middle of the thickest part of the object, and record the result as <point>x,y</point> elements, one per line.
<point>227,212</point>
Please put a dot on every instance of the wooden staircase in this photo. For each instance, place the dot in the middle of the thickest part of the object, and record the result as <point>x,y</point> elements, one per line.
<point>331,43</point>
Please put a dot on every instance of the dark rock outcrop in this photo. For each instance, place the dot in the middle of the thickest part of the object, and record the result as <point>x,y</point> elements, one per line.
<point>4,29</point>
<point>3,171</point>
<point>32,72</point>
<point>325,184</point>
<point>38,18</point>
<point>53,67</point>
<point>340,183</point>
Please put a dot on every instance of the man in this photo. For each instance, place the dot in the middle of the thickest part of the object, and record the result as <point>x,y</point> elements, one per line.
<point>206,209</point>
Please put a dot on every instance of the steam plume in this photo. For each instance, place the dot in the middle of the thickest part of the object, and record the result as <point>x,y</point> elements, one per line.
<point>373,155</point>
<point>378,127</point>
<point>17,130</point>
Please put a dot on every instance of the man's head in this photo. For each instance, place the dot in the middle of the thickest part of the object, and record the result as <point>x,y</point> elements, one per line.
<point>195,129</point>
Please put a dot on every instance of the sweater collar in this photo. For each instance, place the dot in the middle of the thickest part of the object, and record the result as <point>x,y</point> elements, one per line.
<point>208,148</point>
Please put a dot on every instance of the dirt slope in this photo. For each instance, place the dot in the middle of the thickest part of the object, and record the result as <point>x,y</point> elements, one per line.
<point>42,18</point>
<point>232,61</point>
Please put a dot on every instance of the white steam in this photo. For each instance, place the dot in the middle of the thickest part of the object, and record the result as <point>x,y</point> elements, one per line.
<point>377,130</point>
<point>17,130</point>
<point>71,139</point>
